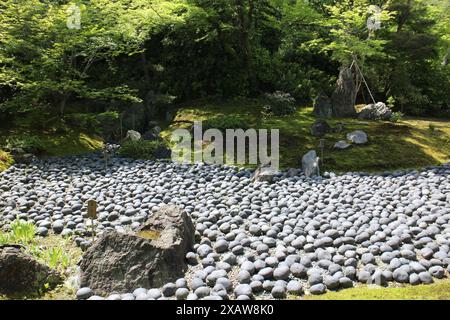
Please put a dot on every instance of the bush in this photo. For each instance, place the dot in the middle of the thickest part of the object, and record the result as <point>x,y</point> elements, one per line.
<point>101,123</point>
<point>279,104</point>
<point>147,150</point>
<point>396,116</point>
<point>431,128</point>
<point>30,144</point>
<point>223,123</point>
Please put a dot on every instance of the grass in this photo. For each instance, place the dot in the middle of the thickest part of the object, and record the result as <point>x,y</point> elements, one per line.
<point>406,144</point>
<point>440,290</point>
<point>71,142</point>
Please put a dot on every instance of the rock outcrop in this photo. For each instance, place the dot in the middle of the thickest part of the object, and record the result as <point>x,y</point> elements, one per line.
<point>155,255</point>
<point>21,274</point>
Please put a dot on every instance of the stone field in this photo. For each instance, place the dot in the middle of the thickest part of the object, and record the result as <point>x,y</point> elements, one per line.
<point>254,240</point>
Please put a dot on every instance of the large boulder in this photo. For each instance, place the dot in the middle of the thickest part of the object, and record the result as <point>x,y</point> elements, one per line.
<point>310,164</point>
<point>358,137</point>
<point>343,97</point>
<point>378,111</point>
<point>21,274</point>
<point>320,128</point>
<point>151,257</point>
<point>322,106</point>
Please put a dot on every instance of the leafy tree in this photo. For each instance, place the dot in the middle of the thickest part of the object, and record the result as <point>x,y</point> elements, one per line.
<point>46,56</point>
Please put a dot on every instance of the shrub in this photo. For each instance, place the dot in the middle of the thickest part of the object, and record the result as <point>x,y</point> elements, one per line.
<point>148,150</point>
<point>223,123</point>
<point>101,123</point>
<point>31,144</point>
<point>432,128</point>
<point>279,104</point>
<point>396,116</point>
<point>391,102</point>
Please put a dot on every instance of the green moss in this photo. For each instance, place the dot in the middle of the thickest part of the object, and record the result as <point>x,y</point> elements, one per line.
<point>51,143</point>
<point>403,145</point>
<point>140,149</point>
<point>5,160</point>
<point>439,290</point>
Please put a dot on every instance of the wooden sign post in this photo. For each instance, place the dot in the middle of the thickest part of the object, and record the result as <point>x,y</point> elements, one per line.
<point>92,214</point>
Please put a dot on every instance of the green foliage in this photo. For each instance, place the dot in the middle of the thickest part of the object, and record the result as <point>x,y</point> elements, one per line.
<point>225,122</point>
<point>46,61</point>
<point>391,102</point>
<point>432,128</point>
<point>55,258</point>
<point>191,49</point>
<point>140,149</point>
<point>100,123</point>
<point>396,117</point>
<point>279,104</point>
<point>28,143</point>
<point>22,232</point>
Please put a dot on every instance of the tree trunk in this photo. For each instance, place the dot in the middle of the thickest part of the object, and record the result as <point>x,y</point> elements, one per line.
<point>63,103</point>
<point>245,24</point>
<point>149,94</point>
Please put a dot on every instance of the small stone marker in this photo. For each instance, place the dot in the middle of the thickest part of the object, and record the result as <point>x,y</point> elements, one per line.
<point>92,214</point>
<point>92,209</point>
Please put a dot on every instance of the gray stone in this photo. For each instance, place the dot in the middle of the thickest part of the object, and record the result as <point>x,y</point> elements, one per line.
<point>425,277</point>
<point>120,262</point>
<point>278,292</point>
<point>294,287</point>
<point>243,290</point>
<point>318,289</point>
<point>322,106</point>
<point>378,111</point>
<point>310,164</point>
<point>342,145</point>
<point>358,137</point>
<point>84,293</point>
<point>281,273</point>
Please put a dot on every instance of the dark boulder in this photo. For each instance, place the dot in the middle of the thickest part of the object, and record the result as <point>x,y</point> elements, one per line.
<point>322,106</point>
<point>320,128</point>
<point>21,274</point>
<point>155,255</point>
<point>343,98</point>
